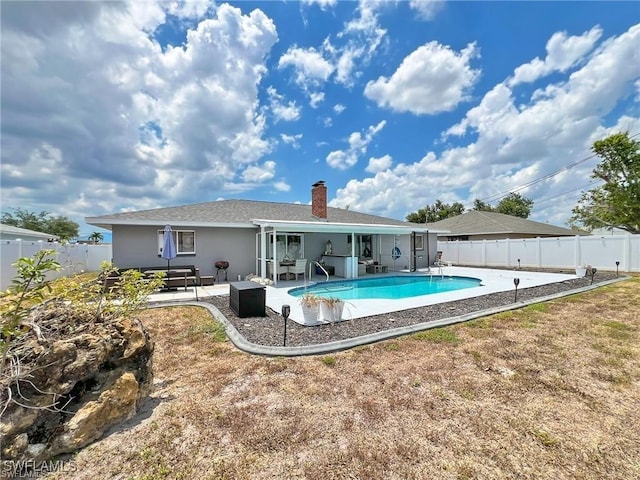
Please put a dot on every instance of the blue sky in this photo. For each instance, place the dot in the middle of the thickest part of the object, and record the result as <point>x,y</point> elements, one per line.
<point>109,107</point>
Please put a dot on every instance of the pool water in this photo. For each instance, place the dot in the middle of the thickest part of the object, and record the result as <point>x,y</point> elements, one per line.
<point>391,287</point>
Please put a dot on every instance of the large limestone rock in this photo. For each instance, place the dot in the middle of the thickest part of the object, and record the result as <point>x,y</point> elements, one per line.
<point>85,377</point>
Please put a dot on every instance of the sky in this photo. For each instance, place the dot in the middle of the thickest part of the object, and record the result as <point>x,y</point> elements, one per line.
<point>109,107</point>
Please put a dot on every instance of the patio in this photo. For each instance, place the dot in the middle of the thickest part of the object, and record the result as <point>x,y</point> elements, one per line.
<point>493,281</point>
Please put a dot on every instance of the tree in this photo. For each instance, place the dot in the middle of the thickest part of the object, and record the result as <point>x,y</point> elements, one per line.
<point>437,211</point>
<point>25,219</point>
<point>96,237</point>
<point>59,226</point>
<point>515,205</point>
<point>616,203</point>
<point>481,206</point>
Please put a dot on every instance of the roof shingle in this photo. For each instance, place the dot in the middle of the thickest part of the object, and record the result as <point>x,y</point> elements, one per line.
<point>476,222</point>
<point>241,212</point>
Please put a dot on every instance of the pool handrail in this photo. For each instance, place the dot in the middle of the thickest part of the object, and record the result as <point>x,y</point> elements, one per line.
<point>318,264</point>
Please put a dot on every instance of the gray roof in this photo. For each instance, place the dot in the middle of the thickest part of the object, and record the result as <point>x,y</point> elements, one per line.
<point>476,222</point>
<point>239,213</point>
<point>11,230</point>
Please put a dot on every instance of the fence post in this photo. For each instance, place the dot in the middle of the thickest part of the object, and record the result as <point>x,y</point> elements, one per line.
<point>508,252</point>
<point>484,252</point>
<point>538,252</point>
<point>577,255</point>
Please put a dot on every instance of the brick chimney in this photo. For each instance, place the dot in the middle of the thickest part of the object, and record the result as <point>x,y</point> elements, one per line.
<point>319,200</point>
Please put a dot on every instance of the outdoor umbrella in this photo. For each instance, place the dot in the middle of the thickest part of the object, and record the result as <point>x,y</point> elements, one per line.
<point>168,248</point>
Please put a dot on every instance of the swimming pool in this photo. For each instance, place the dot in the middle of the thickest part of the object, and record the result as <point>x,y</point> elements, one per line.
<point>388,287</point>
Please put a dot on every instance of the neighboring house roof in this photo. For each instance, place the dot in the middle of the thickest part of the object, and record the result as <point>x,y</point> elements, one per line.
<point>476,222</point>
<point>250,213</point>
<point>17,232</point>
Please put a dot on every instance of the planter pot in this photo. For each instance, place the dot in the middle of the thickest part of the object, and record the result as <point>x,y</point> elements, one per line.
<point>581,271</point>
<point>310,314</point>
<point>331,312</point>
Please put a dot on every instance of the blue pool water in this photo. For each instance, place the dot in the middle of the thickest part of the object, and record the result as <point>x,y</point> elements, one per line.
<point>392,287</point>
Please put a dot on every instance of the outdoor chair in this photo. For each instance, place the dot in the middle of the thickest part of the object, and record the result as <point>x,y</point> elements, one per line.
<point>279,270</point>
<point>299,267</point>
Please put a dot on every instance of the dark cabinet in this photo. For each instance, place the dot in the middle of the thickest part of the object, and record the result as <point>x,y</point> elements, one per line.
<point>247,299</point>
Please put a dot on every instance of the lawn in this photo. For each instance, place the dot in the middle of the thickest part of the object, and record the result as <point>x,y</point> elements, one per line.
<point>548,391</point>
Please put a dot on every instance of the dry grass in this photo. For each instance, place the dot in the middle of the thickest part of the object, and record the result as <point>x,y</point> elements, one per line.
<point>549,391</point>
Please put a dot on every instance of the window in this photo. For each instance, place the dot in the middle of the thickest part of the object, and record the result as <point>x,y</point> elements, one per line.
<point>185,241</point>
<point>288,245</point>
<point>363,245</point>
<point>419,245</point>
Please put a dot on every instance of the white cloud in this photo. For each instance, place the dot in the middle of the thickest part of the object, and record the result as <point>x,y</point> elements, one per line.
<point>517,143</point>
<point>260,173</point>
<point>323,4</point>
<point>343,159</point>
<point>339,108</point>
<point>282,186</point>
<point>293,140</point>
<point>129,120</point>
<point>281,111</point>
<point>427,9</point>
<point>315,99</point>
<point>431,79</point>
<point>379,164</point>
<point>563,52</point>
<point>363,36</point>
<point>310,67</point>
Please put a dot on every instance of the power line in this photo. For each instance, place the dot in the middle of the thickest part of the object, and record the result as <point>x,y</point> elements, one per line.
<point>547,199</point>
<point>498,196</point>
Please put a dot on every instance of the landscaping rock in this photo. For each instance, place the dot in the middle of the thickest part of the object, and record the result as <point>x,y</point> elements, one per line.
<point>85,376</point>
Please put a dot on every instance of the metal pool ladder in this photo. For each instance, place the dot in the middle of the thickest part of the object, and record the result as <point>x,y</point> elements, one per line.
<point>318,264</point>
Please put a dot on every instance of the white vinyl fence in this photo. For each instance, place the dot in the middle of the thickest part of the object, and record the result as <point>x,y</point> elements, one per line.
<point>74,258</point>
<point>601,252</point>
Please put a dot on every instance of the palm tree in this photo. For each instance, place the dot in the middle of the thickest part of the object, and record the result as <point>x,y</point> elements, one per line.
<point>96,237</point>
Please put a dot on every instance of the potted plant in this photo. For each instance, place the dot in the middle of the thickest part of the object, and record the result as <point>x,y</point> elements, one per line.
<point>321,309</point>
<point>331,309</point>
<point>310,308</point>
<point>581,270</point>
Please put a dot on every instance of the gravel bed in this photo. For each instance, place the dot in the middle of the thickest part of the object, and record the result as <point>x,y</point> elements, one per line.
<point>268,330</point>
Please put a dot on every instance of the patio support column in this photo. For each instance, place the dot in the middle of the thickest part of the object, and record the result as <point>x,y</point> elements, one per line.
<point>412,263</point>
<point>274,262</point>
<point>353,264</point>
<point>263,252</point>
<point>428,252</point>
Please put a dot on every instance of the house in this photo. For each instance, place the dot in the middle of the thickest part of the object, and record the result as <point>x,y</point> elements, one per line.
<point>254,235</point>
<point>9,232</point>
<point>478,225</point>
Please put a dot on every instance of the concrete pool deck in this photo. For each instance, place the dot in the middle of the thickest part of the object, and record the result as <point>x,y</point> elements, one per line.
<point>493,281</point>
